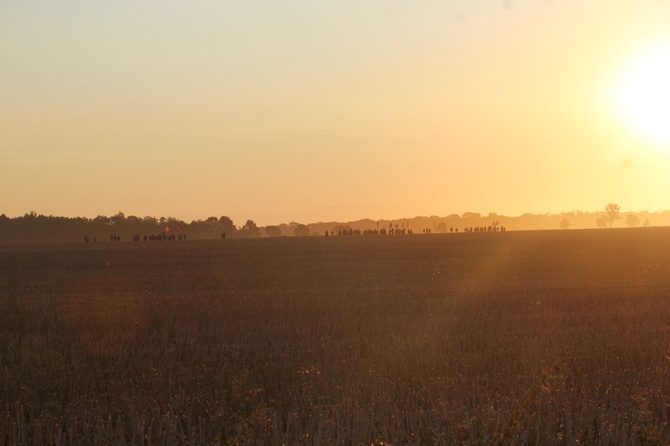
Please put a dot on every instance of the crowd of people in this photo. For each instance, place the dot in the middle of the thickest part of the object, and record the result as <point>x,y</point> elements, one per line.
<point>494,227</point>
<point>160,237</point>
<point>397,230</point>
<point>164,236</point>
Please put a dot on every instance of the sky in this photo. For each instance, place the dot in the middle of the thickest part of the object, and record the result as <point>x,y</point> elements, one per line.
<point>334,110</point>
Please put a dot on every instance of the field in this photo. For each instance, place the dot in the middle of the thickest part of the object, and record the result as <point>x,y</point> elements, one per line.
<point>557,337</point>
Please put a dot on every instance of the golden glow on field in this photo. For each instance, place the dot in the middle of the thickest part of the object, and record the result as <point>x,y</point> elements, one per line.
<point>641,95</point>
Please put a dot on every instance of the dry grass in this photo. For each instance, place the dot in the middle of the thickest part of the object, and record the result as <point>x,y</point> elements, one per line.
<point>516,338</point>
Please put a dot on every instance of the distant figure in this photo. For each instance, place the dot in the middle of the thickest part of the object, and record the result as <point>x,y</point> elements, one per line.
<point>326,232</point>
<point>86,239</point>
<point>223,235</point>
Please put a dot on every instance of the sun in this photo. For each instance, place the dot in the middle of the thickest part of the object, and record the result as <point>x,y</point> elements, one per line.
<point>641,94</point>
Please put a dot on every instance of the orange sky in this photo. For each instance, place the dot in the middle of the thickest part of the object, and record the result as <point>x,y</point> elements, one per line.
<point>320,111</point>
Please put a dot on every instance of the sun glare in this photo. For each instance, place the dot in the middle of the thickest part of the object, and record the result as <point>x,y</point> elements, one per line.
<point>641,95</point>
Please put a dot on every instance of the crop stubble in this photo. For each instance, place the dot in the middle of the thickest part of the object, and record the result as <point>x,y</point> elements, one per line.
<point>499,338</point>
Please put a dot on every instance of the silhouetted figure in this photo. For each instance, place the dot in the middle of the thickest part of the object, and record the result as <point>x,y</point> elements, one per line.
<point>86,239</point>
<point>223,235</point>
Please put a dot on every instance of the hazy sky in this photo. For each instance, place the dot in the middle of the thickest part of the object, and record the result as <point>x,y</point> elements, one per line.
<point>308,110</point>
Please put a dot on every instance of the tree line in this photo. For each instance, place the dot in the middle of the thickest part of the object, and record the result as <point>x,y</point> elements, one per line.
<point>39,228</point>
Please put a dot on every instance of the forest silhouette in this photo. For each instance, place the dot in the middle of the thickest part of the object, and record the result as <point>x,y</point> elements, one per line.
<point>38,228</point>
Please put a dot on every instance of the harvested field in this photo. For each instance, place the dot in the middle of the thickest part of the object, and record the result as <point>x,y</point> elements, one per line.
<point>551,337</point>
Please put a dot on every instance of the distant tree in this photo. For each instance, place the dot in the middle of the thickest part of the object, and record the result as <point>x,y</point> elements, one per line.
<point>118,219</point>
<point>601,222</point>
<point>272,231</point>
<point>632,221</point>
<point>133,220</point>
<point>468,215</point>
<point>102,220</point>
<point>226,224</point>
<point>301,230</point>
<point>646,223</point>
<point>441,228</point>
<point>250,229</point>
<point>225,220</point>
<point>212,221</point>
<point>612,211</point>
<point>150,220</point>
<point>565,224</point>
